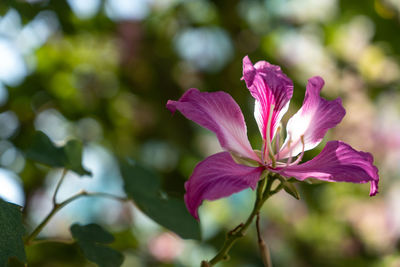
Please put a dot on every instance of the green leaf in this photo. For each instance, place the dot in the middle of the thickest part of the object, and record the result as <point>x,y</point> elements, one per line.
<point>11,233</point>
<point>92,239</point>
<point>43,150</point>
<point>69,156</point>
<point>144,187</point>
<point>291,189</point>
<point>73,153</point>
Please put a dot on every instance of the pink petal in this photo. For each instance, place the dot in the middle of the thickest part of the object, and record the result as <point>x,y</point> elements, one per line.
<point>269,86</point>
<point>219,113</point>
<point>216,177</point>
<point>312,121</point>
<point>337,162</point>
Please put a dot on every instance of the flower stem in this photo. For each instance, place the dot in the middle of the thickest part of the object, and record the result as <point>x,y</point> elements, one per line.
<point>263,193</point>
<point>264,250</point>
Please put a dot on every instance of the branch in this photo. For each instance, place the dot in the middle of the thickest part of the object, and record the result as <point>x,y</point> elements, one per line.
<point>64,172</point>
<point>58,206</point>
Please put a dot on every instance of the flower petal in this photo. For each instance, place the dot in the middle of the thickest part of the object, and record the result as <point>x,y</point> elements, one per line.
<point>269,86</point>
<point>337,162</point>
<point>216,177</point>
<point>219,113</point>
<point>312,121</point>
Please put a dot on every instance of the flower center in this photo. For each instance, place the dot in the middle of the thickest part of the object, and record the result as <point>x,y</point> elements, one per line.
<point>271,158</point>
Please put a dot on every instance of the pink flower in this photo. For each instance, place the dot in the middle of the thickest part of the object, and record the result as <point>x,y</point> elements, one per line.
<point>220,176</point>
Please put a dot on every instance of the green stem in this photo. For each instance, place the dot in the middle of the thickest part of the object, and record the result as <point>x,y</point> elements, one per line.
<point>262,195</point>
<point>64,172</point>
<point>58,206</point>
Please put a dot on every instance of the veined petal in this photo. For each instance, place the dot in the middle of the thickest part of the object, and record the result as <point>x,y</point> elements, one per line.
<point>337,162</point>
<point>269,86</point>
<point>219,113</point>
<point>312,121</point>
<point>216,177</point>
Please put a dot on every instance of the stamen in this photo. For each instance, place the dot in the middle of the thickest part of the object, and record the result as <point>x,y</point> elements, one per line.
<point>278,141</point>
<point>300,157</point>
<point>290,152</point>
<point>263,152</point>
<point>270,152</point>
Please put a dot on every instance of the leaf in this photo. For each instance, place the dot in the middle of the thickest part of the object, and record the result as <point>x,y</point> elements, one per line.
<point>69,156</point>
<point>92,239</point>
<point>73,153</point>
<point>144,187</point>
<point>291,189</point>
<point>43,150</point>
<point>11,233</point>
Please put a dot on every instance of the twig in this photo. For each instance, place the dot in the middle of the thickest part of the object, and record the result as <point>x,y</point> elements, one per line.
<point>58,206</point>
<point>64,172</point>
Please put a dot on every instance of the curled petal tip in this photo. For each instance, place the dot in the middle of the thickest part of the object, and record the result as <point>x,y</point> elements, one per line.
<point>317,79</point>
<point>171,106</point>
<point>316,82</point>
<point>248,71</point>
<point>374,174</point>
<point>192,209</point>
<point>246,60</point>
<point>374,187</point>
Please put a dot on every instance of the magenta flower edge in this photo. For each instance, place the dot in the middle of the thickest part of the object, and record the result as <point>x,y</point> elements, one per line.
<point>220,175</point>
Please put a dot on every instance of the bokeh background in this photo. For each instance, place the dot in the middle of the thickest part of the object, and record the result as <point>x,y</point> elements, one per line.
<point>102,71</point>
